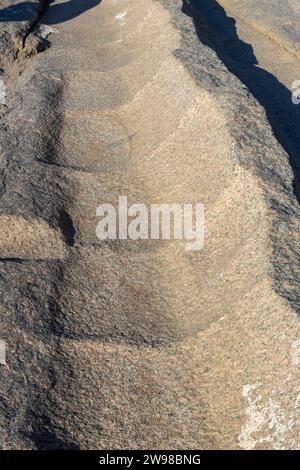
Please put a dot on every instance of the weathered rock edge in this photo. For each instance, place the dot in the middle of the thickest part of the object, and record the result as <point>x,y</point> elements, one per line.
<point>14,32</point>
<point>256,149</point>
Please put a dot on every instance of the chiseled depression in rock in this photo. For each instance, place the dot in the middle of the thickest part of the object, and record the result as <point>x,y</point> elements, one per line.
<point>143,345</point>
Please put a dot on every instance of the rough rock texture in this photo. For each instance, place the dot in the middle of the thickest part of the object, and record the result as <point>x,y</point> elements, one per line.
<point>16,20</point>
<point>141,344</point>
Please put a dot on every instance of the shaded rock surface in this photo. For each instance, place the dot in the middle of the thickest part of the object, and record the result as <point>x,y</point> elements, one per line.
<point>279,20</point>
<point>16,21</point>
<point>142,344</point>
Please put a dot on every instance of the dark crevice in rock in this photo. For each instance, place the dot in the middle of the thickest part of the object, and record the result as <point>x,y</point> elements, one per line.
<point>42,435</point>
<point>26,261</point>
<point>49,441</point>
<point>67,228</point>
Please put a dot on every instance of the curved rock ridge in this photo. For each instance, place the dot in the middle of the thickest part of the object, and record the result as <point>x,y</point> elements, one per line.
<point>127,344</point>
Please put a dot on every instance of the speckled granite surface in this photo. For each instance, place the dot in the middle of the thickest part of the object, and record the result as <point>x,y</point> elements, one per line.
<point>142,345</point>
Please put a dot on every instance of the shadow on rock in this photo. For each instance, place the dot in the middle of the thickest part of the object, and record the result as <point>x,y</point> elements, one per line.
<point>218,31</point>
<point>56,12</point>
